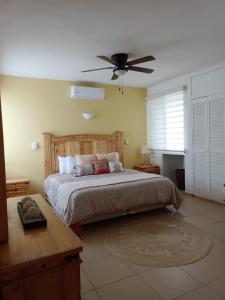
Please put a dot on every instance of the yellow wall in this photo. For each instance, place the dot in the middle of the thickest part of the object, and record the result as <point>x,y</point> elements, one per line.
<point>32,106</point>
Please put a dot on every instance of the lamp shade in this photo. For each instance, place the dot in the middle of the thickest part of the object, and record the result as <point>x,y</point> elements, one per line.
<point>120,72</point>
<point>144,149</point>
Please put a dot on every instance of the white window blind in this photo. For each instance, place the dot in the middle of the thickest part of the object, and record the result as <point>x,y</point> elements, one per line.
<point>165,121</point>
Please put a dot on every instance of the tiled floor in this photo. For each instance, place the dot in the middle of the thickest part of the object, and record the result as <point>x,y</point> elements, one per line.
<point>105,277</point>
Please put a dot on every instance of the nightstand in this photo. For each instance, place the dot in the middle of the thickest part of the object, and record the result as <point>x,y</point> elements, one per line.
<point>17,187</point>
<point>148,169</point>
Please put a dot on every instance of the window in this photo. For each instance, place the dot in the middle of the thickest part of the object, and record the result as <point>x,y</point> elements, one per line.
<point>165,121</point>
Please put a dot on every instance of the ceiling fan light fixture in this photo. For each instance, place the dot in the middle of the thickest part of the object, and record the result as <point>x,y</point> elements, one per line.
<point>121,65</point>
<point>120,72</point>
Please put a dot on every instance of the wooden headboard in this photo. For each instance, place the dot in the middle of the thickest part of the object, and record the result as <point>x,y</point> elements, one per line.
<point>79,144</point>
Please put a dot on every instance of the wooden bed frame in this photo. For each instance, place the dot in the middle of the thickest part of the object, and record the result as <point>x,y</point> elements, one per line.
<point>85,144</point>
<point>79,144</point>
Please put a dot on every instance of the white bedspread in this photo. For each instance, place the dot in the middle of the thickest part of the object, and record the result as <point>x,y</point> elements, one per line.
<point>77,199</point>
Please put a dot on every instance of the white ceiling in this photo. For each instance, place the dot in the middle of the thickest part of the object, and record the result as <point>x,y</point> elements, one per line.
<point>57,39</point>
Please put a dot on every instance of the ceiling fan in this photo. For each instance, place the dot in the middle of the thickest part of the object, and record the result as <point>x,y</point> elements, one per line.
<point>122,66</point>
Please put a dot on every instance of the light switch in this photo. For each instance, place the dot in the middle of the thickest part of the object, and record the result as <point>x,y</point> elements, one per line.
<point>34,146</point>
<point>126,141</point>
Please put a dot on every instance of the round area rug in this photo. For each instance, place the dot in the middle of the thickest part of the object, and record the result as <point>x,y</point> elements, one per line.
<point>158,242</point>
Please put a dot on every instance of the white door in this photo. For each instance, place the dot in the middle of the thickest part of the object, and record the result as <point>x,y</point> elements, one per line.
<point>201,147</point>
<point>217,146</point>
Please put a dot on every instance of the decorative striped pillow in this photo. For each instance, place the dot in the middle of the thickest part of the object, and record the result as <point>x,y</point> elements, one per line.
<point>100,166</point>
<point>84,170</point>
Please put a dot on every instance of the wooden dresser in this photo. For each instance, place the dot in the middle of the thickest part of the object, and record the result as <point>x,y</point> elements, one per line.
<point>17,187</point>
<point>41,263</point>
<point>148,169</point>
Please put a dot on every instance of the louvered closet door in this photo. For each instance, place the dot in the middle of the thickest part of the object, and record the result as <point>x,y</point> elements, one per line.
<point>201,147</point>
<point>217,146</point>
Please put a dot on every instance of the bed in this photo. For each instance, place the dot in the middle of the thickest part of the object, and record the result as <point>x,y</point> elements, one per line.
<point>80,200</point>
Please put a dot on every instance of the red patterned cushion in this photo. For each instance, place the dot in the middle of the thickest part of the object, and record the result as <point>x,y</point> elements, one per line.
<point>100,166</point>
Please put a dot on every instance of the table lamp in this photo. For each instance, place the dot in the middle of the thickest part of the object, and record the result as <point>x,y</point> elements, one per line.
<point>146,153</point>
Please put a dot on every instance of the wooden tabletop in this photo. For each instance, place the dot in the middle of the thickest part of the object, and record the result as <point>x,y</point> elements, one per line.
<point>146,166</point>
<point>17,180</point>
<point>32,244</point>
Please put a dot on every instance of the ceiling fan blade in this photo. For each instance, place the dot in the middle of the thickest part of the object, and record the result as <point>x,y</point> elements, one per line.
<point>114,77</point>
<point>111,61</point>
<point>140,60</point>
<point>109,68</point>
<point>142,70</point>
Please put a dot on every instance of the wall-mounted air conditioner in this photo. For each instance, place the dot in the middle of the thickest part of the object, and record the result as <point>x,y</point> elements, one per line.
<point>86,93</point>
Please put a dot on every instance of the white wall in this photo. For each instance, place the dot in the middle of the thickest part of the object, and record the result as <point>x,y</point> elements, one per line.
<point>168,85</point>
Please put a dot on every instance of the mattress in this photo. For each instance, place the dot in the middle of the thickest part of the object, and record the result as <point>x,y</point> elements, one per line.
<point>78,199</point>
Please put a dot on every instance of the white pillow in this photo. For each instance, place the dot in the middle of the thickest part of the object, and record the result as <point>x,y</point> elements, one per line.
<point>62,164</point>
<point>111,157</point>
<point>71,164</point>
<point>115,167</point>
<point>85,159</point>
